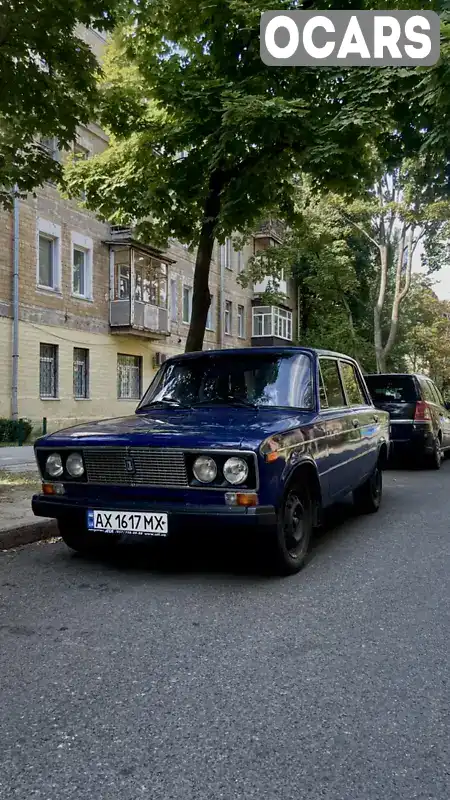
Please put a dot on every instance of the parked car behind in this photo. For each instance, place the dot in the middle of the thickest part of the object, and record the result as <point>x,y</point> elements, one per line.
<point>419,417</point>
<point>259,438</point>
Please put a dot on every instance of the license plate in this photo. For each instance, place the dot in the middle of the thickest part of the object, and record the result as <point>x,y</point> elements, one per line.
<point>135,523</point>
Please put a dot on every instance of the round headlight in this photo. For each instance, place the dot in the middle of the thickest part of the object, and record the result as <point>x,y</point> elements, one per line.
<point>235,470</point>
<point>74,465</point>
<point>205,469</point>
<point>54,466</point>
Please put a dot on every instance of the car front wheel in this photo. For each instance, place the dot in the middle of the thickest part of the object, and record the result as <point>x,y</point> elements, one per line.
<point>367,498</point>
<point>287,546</point>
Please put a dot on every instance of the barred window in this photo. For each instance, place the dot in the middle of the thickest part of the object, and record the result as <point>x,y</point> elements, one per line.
<point>48,370</point>
<point>80,373</point>
<point>129,377</point>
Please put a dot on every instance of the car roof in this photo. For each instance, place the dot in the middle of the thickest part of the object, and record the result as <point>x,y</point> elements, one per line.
<point>265,349</point>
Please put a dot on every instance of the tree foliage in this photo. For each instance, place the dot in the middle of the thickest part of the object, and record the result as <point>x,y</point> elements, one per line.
<point>425,333</point>
<point>187,77</point>
<point>48,83</point>
<point>332,267</point>
<point>408,204</point>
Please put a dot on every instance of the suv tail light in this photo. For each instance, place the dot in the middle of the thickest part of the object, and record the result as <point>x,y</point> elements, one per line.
<point>422,411</point>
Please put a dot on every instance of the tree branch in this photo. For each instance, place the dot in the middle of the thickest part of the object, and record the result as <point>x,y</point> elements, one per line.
<point>360,229</point>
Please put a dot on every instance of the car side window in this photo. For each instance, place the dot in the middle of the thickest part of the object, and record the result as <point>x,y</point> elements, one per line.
<point>439,396</point>
<point>427,391</point>
<point>435,393</point>
<point>352,385</point>
<point>331,391</point>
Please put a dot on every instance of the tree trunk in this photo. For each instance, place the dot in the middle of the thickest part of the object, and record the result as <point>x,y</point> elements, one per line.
<point>378,308</point>
<point>201,298</point>
<point>400,294</point>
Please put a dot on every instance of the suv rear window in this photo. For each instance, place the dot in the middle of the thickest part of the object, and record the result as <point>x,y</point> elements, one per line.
<point>392,388</point>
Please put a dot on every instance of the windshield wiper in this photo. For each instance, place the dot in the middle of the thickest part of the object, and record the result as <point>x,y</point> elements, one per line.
<point>166,401</point>
<point>230,400</point>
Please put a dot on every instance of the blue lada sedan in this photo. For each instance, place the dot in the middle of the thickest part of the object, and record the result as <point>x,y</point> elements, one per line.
<point>261,438</point>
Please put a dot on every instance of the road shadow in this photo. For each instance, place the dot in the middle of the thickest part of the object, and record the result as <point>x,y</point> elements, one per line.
<point>402,463</point>
<point>234,555</point>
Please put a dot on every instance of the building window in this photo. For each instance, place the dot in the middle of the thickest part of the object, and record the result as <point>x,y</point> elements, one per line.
<point>228,316</point>
<point>80,373</point>
<point>129,377</point>
<point>241,321</point>
<point>239,261</point>
<point>81,154</point>
<point>187,304</point>
<point>48,267</point>
<point>50,145</point>
<point>210,317</point>
<point>272,321</point>
<point>173,300</point>
<point>150,280</point>
<point>46,261</point>
<point>82,248</point>
<point>225,254</point>
<point>48,371</point>
<point>79,272</point>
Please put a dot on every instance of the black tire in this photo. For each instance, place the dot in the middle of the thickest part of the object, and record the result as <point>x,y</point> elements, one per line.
<point>287,545</point>
<point>85,542</point>
<point>434,461</point>
<point>367,498</point>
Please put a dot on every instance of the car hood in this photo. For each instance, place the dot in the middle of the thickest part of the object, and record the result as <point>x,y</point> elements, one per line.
<point>225,428</point>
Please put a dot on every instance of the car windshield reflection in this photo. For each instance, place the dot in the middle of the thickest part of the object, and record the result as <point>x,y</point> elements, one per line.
<point>249,381</point>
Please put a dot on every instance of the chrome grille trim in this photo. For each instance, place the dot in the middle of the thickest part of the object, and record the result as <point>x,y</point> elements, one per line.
<point>154,466</point>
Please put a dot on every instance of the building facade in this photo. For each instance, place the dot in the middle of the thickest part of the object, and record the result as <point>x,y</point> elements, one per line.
<point>98,312</point>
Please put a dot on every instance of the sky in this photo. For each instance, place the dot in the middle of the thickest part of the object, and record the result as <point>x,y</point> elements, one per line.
<point>442,278</point>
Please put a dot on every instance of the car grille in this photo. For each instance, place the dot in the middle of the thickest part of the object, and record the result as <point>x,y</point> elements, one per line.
<point>135,466</point>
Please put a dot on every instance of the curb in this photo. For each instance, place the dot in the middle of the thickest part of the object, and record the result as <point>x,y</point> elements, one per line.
<point>27,534</point>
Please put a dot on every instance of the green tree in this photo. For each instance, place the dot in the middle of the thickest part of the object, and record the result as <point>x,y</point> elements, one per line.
<point>408,204</point>
<point>48,83</point>
<point>187,77</point>
<point>425,333</point>
<point>332,267</point>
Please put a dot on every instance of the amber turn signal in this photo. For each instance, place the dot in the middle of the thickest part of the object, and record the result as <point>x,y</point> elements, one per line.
<point>53,488</point>
<point>241,499</point>
<point>272,456</point>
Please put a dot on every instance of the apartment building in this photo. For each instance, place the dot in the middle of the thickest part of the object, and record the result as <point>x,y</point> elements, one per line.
<point>98,311</point>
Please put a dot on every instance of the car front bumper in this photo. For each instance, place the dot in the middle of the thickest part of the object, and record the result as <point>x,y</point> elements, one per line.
<point>181,519</point>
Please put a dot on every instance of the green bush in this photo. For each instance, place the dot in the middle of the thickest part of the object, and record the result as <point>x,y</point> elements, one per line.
<point>15,430</point>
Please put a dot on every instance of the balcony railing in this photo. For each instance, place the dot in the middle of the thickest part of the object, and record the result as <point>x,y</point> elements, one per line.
<point>137,316</point>
<point>261,287</point>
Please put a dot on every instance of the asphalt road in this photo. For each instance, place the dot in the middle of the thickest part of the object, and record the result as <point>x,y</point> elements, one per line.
<point>17,459</point>
<point>135,681</point>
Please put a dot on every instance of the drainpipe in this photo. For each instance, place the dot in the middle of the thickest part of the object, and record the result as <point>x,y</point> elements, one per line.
<point>222,305</point>
<point>15,298</point>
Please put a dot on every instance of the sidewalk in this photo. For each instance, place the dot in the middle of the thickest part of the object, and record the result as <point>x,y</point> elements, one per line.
<point>18,525</point>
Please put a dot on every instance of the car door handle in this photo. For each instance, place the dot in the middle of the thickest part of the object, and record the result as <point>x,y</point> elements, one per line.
<point>356,423</point>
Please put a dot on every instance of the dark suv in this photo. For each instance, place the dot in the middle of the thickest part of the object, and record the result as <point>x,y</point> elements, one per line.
<point>420,419</point>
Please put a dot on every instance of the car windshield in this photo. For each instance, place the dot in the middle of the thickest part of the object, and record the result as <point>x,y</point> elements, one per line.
<point>266,379</point>
<point>392,388</point>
